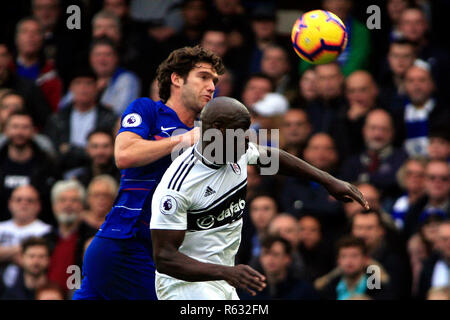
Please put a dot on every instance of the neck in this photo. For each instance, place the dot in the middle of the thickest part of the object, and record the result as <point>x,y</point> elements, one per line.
<point>67,230</point>
<point>276,277</point>
<point>33,281</point>
<point>185,114</point>
<point>84,107</point>
<point>20,154</point>
<point>28,59</point>
<point>413,196</point>
<point>352,280</point>
<point>437,202</point>
<point>23,222</point>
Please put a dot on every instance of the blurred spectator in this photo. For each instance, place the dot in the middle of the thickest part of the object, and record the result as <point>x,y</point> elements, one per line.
<point>263,24</point>
<point>282,284</point>
<point>117,86</point>
<point>410,178</point>
<point>379,162</point>
<point>350,279</point>
<point>294,132</point>
<point>384,248</point>
<point>437,196</point>
<point>268,113</point>
<point>68,238</point>
<point>69,127</point>
<point>439,293</point>
<point>435,270</point>
<point>415,27</point>
<point>154,90</point>
<point>163,17</point>
<point>401,56</point>
<point>31,62</point>
<point>23,161</point>
<point>439,145</point>
<point>330,84</point>
<point>34,99</point>
<point>101,192</point>
<point>25,206</point>
<point>61,45</point>
<point>255,88</point>
<point>35,255</point>
<point>395,9</point>
<point>50,291</point>
<point>275,63</point>
<point>307,88</point>
<point>231,15</point>
<point>356,54</point>
<point>109,25</point>
<point>299,196</point>
<point>195,15</point>
<point>12,102</point>
<point>263,208</point>
<point>286,226</point>
<point>315,252</point>
<point>424,113</point>
<point>418,252</point>
<point>131,30</point>
<point>361,92</point>
<point>100,151</point>
<point>226,85</point>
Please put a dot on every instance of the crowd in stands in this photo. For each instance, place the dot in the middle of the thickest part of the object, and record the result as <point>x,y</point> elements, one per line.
<point>379,117</point>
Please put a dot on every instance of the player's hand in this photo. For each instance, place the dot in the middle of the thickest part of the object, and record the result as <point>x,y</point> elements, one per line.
<point>245,277</point>
<point>189,138</point>
<point>346,192</point>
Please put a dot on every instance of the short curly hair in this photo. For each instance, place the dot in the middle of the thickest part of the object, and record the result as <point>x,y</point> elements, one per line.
<point>182,61</point>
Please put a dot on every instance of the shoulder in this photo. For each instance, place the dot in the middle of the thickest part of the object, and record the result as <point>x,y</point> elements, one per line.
<point>4,225</point>
<point>41,227</point>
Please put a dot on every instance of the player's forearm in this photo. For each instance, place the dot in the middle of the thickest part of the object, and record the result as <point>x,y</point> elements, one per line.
<point>180,266</point>
<point>140,152</point>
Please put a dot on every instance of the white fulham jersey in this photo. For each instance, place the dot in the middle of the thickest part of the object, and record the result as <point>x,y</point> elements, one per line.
<point>207,201</point>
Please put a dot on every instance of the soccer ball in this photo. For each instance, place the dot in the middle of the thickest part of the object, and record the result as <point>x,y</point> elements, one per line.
<point>319,36</point>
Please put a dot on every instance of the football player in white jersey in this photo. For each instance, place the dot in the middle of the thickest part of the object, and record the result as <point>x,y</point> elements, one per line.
<point>198,205</point>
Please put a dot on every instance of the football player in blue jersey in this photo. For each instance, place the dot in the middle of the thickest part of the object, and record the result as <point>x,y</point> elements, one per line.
<point>118,263</point>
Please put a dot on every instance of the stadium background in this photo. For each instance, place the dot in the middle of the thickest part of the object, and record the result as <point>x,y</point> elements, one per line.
<point>322,115</point>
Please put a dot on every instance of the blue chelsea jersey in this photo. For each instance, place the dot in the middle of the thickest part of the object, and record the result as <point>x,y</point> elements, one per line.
<point>130,214</point>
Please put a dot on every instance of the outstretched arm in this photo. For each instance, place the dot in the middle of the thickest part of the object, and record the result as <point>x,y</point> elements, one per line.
<point>293,166</point>
<point>172,262</point>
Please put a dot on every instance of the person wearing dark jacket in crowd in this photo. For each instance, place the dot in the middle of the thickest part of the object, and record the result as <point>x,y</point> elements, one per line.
<point>34,99</point>
<point>350,279</point>
<point>436,200</point>
<point>22,161</point>
<point>435,272</point>
<point>100,151</point>
<point>282,284</point>
<point>378,163</point>
<point>69,127</point>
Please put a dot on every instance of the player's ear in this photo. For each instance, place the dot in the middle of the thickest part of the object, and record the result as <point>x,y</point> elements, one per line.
<point>176,79</point>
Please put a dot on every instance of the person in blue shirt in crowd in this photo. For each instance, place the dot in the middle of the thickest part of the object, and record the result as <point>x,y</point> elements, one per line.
<point>118,264</point>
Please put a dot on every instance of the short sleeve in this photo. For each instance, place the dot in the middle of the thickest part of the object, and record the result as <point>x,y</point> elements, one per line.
<point>139,117</point>
<point>169,210</point>
<point>252,154</point>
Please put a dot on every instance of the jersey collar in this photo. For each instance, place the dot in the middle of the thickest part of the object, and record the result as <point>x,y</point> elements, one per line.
<point>205,161</point>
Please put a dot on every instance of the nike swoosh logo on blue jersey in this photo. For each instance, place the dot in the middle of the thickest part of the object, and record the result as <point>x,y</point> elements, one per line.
<point>165,129</point>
